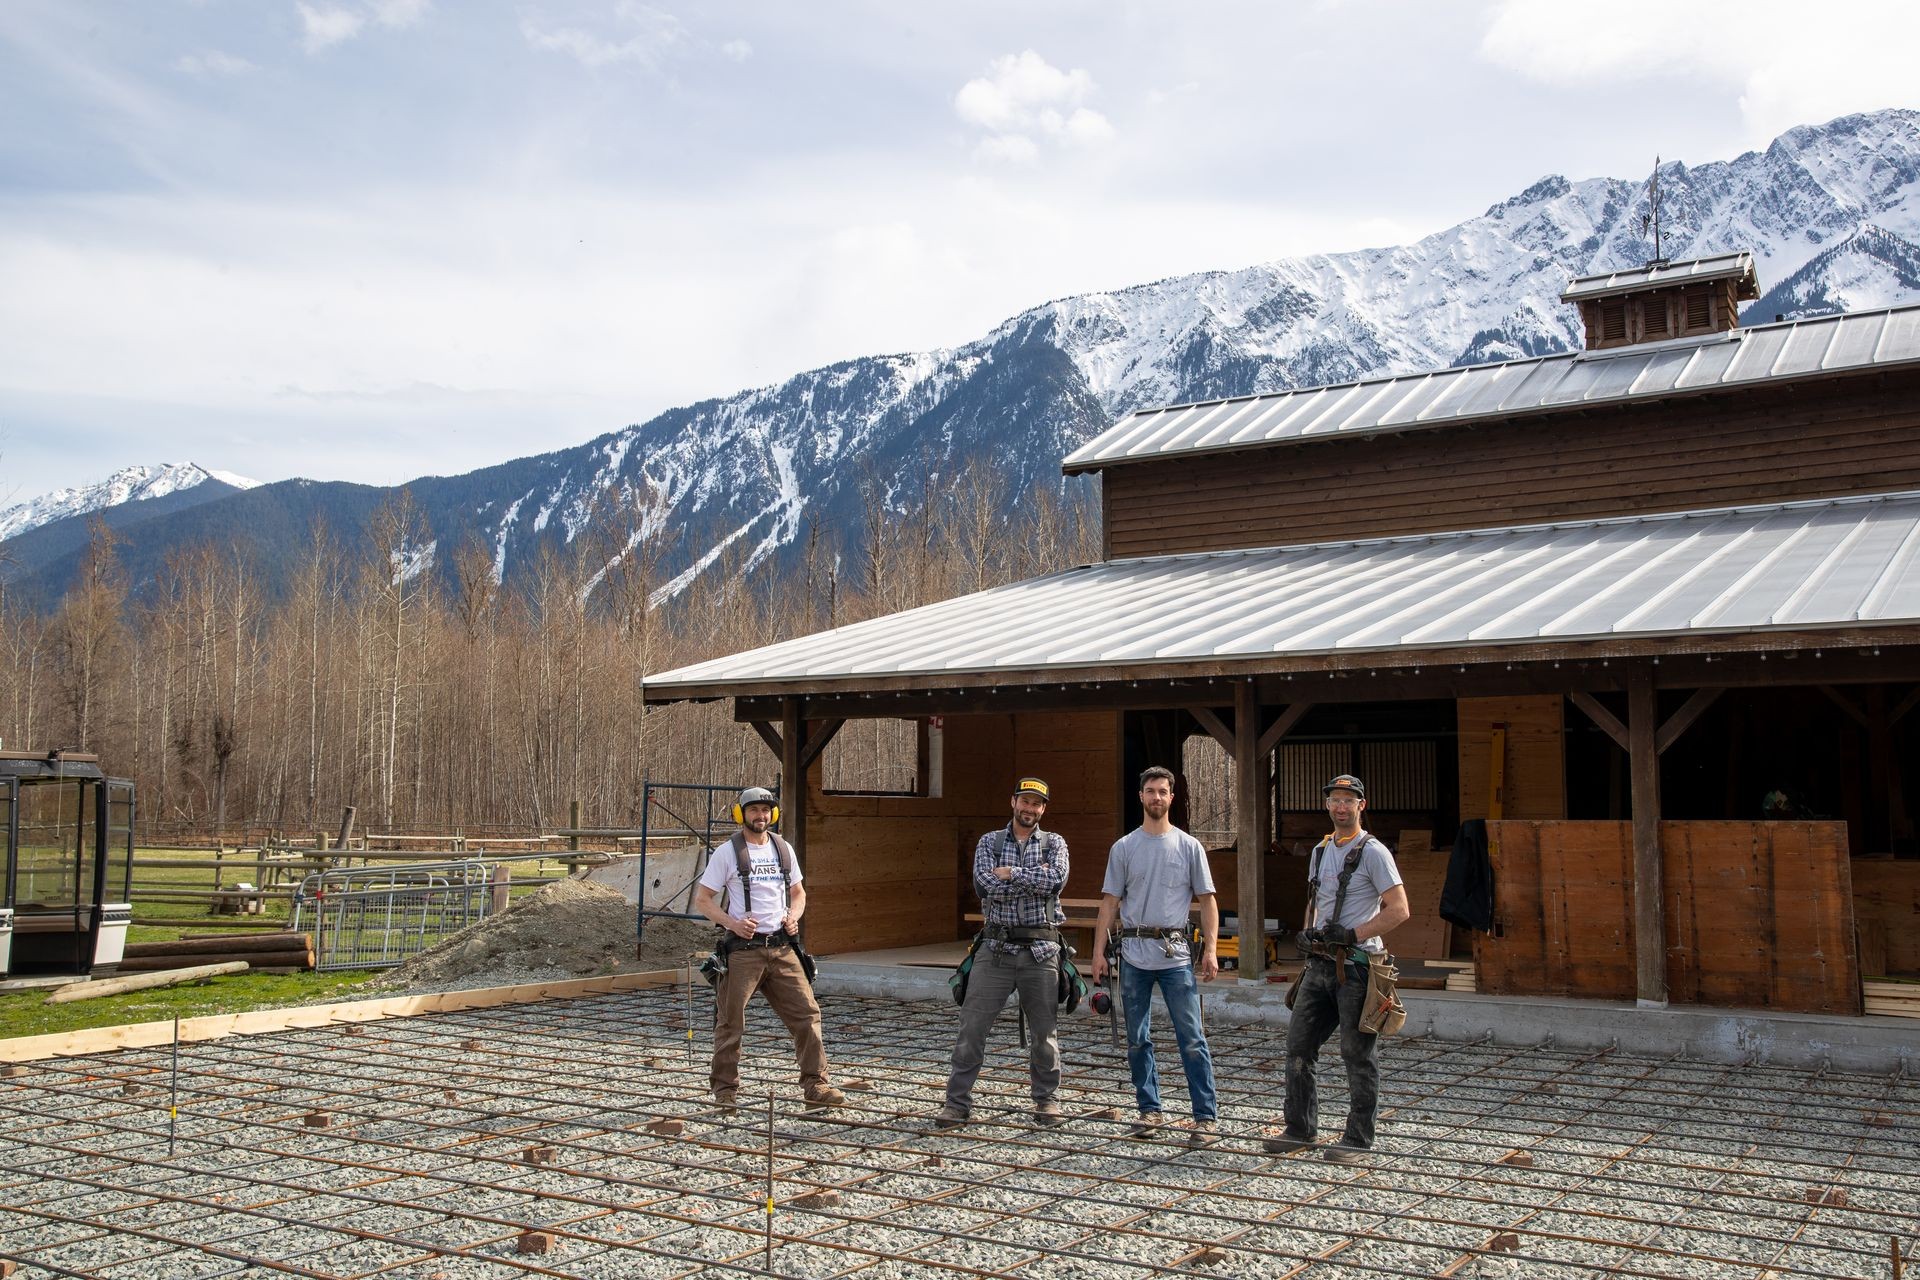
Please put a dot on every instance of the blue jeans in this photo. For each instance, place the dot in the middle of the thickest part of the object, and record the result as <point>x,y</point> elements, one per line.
<point>1182,998</point>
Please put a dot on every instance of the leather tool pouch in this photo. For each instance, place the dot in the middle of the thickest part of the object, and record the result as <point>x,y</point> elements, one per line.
<point>1382,1014</point>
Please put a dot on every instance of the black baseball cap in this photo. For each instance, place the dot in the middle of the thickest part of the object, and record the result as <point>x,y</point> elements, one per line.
<point>1346,782</point>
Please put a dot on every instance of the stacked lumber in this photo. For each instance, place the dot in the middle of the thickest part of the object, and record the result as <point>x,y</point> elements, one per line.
<point>1892,999</point>
<point>1461,979</point>
<point>260,951</point>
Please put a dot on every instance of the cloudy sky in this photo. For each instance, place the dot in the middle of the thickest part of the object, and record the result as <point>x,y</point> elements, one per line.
<point>373,239</point>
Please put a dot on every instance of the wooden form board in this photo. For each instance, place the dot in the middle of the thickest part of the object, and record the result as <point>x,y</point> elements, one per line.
<point>1535,755</point>
<point>1760,914</point>
<point>146,1035</point>
<point>1563,895</point>
<point>1886,903</point>
<point>1425,936</point>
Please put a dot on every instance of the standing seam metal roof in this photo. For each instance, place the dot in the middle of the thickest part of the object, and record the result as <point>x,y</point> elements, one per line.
<point>1806,565</point>
<point>1827,345</point>
<point>1663,275</point>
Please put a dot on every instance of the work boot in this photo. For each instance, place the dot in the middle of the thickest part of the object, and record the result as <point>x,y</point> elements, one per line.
<point>1147,1127</point>
<point>949,1117</point>
<point>1341,1153</point>
<point>1282,1143</point>
<point>1049,1114</point>
<point>1202,1132</point>
<point>824,1097</point>
<point>725,1099</point>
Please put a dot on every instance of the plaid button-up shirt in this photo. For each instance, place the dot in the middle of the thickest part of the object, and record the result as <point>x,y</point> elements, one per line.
<point>1032,896</point>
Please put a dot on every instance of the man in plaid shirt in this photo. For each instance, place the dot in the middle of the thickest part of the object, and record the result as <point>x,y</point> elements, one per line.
<point>1018,871</point>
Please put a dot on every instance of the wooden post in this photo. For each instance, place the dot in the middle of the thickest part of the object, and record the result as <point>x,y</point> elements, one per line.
<point>1649,907</point>
<point>793,781</point>
<point>573,821</point>
<point>346,826</point>
<point>1250,815</point>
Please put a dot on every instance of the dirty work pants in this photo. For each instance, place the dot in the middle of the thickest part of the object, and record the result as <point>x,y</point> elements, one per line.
<point>1321,1008</point>
<point>997,975</point>
<point>775,973</point>
<point>1182,998</point>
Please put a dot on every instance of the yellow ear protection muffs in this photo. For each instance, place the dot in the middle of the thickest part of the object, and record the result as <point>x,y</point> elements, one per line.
<point>754,795</point>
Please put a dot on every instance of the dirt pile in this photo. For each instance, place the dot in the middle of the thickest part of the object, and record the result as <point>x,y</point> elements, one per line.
<point>569,929</point>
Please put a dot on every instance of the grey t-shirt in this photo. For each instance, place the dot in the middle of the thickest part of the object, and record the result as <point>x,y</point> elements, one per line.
<point>1373,877</point>
<point>1156,879</point>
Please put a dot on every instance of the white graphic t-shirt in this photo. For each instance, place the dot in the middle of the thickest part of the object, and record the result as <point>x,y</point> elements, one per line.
<point>769,907</point>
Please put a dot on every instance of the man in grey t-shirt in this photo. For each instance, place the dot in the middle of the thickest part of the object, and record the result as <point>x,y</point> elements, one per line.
<point>1347,930</point>
<point>1154,873</point>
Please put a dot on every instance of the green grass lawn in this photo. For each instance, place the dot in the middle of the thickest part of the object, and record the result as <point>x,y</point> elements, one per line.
<point>27,1013</point>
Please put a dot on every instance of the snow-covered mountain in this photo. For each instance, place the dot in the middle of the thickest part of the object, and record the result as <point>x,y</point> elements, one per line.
<point>129,484</point>
<point>1831,212</point>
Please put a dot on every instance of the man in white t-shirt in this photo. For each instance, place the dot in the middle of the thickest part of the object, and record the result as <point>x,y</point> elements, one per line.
<point>760,915</point>
<point>1352,911</point>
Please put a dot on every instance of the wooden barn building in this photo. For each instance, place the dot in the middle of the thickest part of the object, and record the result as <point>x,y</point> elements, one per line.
<point>1653,607</point>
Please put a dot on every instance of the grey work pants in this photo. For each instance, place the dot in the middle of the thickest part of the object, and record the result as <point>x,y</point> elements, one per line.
<point>997,975</point>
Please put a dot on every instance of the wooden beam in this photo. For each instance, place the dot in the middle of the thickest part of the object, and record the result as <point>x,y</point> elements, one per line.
<point>1216,727</point>
<point>218,1026</point>
<point>1903,706</point>
<point>1682,720</point>
<point>817,740</point>
<point>1597,712</point>
<point>1649,906</point>
<point>1280,728</point>
<point>1250,840</point>
<point>72,991</point>
<point>1846,704</point>
<point>769,735</point>
<point>793,787</point>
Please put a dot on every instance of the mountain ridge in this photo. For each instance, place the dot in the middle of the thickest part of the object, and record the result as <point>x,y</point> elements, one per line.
<point>1831,213</point>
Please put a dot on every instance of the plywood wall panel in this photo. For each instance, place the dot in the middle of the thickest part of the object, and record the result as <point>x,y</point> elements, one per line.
<point>1886,897</point>
<point>1760,915</point>
<point>1535,755</point>
<point>1565,906</point>
<point>1425,935</point>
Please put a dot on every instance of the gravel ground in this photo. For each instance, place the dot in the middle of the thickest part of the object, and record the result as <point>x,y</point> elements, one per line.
<point>431,1148</point>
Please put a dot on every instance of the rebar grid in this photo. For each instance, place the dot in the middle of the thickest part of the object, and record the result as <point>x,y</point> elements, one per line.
<point>428,1149</point>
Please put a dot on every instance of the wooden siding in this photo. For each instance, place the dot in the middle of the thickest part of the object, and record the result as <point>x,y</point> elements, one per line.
<point>896,871</point>
<point>1761,445</point>
<point>1758,914</point>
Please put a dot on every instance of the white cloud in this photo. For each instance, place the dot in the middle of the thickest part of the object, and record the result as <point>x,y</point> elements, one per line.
<point>212,63</point>
<point>1023,101</point>
<point>1784,65</point>
<point>323,27</point>
<point>737,50</point>
<point>654,32</point>
<point>400,13</point>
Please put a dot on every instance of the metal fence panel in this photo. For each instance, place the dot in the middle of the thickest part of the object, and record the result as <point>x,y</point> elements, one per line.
<point>379,917</point>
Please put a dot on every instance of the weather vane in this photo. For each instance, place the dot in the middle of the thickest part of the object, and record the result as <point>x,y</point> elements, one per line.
<point>1650,221</point>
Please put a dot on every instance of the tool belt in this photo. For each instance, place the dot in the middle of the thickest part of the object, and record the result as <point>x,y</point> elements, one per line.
<point>1020,933</point>
<point>1167,933</point>
<point>777,940</point>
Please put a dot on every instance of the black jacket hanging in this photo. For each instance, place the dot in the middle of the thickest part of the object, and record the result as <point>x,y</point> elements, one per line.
<point>1467,899</point>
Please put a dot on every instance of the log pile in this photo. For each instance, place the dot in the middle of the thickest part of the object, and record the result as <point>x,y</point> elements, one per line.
<point>270,951</point>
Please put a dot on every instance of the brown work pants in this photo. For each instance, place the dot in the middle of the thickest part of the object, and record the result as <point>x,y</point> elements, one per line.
<point>774,972</point>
